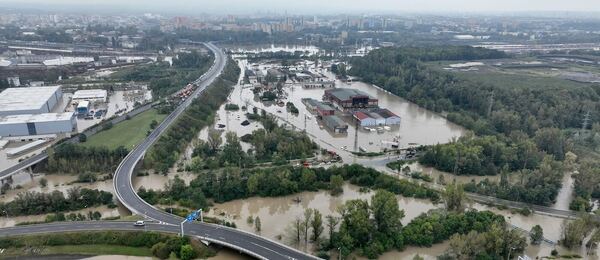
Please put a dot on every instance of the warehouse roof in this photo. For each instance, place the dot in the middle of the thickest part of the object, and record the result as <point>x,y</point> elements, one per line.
<point>346,93</point>
<point>90,94</point>
<point>12,99</point>
<point>360,115</point>
<point>334,121</point>
<point>47,117</point>
<point>385,113</point>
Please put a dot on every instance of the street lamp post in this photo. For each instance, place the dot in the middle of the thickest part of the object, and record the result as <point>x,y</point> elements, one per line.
<point>182,226</point>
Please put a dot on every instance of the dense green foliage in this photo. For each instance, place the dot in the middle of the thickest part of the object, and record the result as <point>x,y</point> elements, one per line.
<point>71,158</point>
<point>402,72</point>
<point>33,203</point>
<point>375,227</point>
<point>233,183</point>
<point>539,186</point>
<point>198,115</point>
<point>274,144</point>
<point>483,155</point>
<point>519,123</point>
<point>164,79</point>
<point>162,245</point>
<point>499,241</point>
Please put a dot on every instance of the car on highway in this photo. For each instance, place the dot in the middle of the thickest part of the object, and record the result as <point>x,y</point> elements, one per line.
<point>139,223</point>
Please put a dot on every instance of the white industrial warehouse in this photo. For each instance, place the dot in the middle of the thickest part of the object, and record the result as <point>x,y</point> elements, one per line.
<point>32,100</point>
<point>92,95</point>
<point>40,124</point>
<point>29,112</point>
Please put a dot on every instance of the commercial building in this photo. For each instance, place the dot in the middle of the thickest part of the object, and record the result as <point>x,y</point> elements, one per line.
<point>319,108</point>
<point>335,124</point>
<point>92,95</point>
<point>364,119</point>
<point>379,120</point>
<point>376,117</point>
<point>346,98</point>
<point>40,124</point>
<point>31,100</point>
<point>390,117</point>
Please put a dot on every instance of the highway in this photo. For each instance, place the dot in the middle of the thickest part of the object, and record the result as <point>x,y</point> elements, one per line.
<point>236,239</point>
<point>256,246</point>
<point>259,247</point>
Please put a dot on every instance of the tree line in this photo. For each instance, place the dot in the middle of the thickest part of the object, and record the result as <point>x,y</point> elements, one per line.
<point>234,183</point>
<point>72,158</point>
<point>373,227</point>
<point>34,203</point>
<point>199,114</point>
<point>402,72</point>
<point>161,245</point>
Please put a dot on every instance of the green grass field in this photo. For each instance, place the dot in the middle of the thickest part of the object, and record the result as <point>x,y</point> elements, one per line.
<point>85,250</point>
<point>506,80</point>
<point>127,133</point>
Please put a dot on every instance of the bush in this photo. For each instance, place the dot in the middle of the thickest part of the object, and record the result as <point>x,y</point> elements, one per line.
<point>160,250</point>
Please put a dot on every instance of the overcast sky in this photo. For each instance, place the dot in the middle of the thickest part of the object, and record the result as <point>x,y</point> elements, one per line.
<point>316,6</point>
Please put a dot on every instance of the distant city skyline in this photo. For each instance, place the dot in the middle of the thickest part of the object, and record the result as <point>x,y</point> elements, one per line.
<point>309,6</point>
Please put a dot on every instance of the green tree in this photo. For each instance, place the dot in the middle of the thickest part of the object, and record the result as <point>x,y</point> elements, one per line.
<point>82,138</point>
<point>332,222</point>
<point>160,250</point>
<point>317,226</point>
<point>43,182</point>
<point>257,224</point>
<point>536,234</point>
<point>336,183</point>
<point>232,151</point>
<point>386,212</point>
<point>454,197</point>
<point>153,124</point>
<point>214,139</point>
<point>187,252</point>
<point>308,213</point>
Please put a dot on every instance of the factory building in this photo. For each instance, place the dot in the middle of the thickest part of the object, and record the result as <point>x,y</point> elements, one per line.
<point>335,124</point>
<point>376,117</point>
<point>40,124</point>
<point>364,119</point>
<point>317,107</point>
<point>31,100</point>
<point>92,95</point>
<point>347,99</point>
<point>390,117</point>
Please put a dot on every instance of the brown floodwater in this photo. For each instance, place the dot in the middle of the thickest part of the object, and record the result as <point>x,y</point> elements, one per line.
<point>276,214</point>
<point>56,182</point>
<point>418,125</point>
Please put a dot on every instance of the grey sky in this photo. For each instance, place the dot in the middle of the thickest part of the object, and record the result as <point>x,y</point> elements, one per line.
<point>320,6</point>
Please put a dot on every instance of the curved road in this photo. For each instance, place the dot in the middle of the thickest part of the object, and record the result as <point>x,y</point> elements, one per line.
<point>246,242</point>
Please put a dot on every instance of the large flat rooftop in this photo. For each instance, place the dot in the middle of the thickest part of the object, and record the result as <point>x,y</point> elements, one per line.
<point>347,93</point>
<point>39,118</point>
<point>15,99</point>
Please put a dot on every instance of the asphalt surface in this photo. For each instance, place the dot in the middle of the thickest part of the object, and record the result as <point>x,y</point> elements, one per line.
<point>248,243</point>
<point>242,241</point>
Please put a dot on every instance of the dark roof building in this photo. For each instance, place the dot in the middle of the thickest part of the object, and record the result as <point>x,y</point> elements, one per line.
<point>346,98</point>
<point>335,124</point>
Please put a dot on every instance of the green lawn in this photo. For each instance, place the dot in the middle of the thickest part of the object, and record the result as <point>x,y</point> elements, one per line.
<point>127,133</point>
<point>85,250</point>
